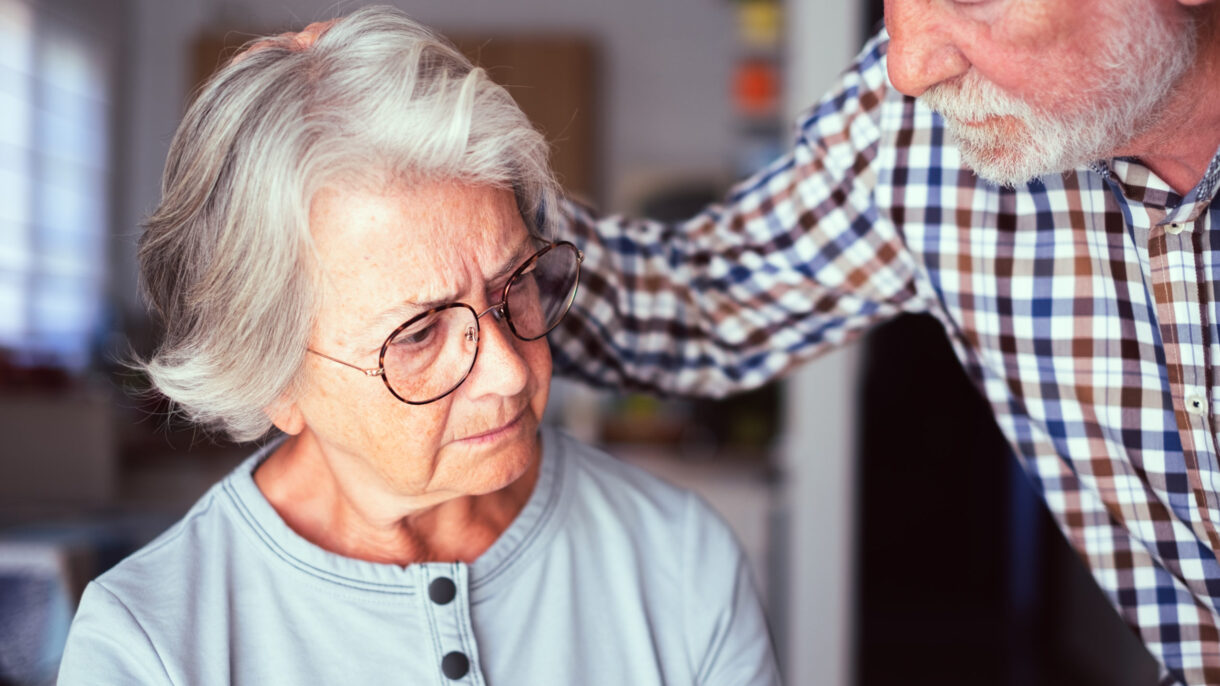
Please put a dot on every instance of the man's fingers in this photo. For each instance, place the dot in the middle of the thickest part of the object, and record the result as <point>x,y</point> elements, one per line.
<point>298,40</point>
<point>306,38</point>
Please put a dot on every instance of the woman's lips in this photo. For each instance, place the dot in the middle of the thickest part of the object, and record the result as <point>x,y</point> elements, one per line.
<point>498,432</point>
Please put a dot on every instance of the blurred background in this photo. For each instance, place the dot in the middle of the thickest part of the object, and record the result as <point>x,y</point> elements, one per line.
<point>893,535</point>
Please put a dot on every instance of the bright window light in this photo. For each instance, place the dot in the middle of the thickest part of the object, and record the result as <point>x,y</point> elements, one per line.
<point>55,109</point>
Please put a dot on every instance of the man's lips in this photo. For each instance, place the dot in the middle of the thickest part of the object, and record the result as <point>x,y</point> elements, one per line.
<point>493,434</point>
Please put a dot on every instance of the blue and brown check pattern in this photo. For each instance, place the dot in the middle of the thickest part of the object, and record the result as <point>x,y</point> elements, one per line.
<point>1084,308</point>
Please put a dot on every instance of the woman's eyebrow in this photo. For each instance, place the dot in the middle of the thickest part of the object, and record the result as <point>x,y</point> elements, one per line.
<point>391,317</point>
<point>524,250</point>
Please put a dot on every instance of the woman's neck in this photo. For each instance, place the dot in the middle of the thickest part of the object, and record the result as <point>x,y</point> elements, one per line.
<point>335,515</point>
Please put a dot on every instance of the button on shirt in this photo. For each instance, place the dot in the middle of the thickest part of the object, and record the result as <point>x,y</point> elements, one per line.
<point>1084,307</point>
<point>607,576</point>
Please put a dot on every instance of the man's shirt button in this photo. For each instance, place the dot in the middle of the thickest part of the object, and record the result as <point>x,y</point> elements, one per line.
<point>1196,404</point>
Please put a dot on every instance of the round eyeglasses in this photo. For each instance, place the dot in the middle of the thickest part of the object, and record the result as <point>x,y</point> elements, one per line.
<point>428,356</point>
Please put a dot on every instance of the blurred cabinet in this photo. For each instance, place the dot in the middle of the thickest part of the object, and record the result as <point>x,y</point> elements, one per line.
<point>553,78</point>
<point>58,448</point>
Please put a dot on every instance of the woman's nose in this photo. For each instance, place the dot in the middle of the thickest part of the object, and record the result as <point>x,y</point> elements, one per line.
<point>923,49</point>
<point>500,368</point>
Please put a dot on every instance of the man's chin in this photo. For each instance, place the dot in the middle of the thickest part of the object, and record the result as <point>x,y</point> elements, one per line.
<point>1010,166</point>
<point>991,165</point>
<point>999,172</point>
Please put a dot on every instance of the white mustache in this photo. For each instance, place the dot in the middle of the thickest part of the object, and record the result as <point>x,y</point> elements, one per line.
<point>973,99</point>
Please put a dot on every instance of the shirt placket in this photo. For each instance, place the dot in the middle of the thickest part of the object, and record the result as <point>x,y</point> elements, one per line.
<point>447,606</point>
<point>1207,224</point>
<point>1182,292</point>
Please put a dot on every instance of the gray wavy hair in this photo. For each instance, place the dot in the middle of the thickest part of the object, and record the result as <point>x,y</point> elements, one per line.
<point>225,260</point>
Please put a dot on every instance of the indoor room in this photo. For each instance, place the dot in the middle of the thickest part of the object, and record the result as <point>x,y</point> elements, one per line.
<point>890,531</point>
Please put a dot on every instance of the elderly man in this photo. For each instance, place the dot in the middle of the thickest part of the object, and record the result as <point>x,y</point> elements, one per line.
<point>1040,176</point>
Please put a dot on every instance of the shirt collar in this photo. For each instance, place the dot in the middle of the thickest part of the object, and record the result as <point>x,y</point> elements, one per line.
<point>1140,185</point>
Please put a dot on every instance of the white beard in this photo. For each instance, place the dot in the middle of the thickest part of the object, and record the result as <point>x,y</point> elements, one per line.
<point>1140,66</point>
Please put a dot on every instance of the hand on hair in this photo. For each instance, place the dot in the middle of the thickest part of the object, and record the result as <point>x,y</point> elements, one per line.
<point>294,41</point>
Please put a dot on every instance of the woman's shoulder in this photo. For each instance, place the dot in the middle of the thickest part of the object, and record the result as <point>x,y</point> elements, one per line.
<point>181,545</point>
<point>129,614</point>
<point>594,472</point>
<point>170,568</point>
<point>604,487</point>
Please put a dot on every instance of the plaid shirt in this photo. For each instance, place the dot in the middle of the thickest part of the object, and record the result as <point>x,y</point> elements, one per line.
<point>1084,307</point>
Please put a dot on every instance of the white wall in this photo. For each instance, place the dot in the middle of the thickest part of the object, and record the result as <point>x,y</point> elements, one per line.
<point>665,72</point>
<point>819,448</point>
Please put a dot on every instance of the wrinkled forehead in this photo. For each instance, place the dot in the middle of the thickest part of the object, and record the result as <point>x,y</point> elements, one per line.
<point>380,248</point>
<point>427,217</point>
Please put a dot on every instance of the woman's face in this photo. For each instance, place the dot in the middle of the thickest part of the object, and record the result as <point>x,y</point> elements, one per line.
<point>382,255</point>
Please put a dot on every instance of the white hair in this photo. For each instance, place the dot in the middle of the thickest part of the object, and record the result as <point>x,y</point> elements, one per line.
<point>225,258</point>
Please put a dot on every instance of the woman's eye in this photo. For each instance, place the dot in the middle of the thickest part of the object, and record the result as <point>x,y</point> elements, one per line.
<point>496,291</point>
<point>525,278</point>
<point>416,336</point>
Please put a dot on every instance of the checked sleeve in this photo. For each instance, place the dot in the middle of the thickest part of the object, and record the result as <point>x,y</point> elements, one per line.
<point>795,261</point>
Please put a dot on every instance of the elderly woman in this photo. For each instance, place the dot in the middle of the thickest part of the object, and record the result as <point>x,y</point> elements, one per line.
<point>352,248</point>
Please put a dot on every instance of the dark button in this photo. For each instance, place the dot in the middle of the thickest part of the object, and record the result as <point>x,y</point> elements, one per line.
<point>442,590</point>
<point>455,665</point>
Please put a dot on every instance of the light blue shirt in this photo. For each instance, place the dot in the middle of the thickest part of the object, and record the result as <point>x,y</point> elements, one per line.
<point>607,576</point>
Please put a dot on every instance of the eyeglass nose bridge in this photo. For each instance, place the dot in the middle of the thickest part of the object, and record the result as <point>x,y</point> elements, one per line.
<point>498,312</point>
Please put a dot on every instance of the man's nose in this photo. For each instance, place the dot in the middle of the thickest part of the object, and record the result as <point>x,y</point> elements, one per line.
<point>923,49</point>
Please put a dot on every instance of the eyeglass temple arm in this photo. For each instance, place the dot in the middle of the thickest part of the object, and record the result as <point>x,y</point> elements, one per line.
<point>378,371</point>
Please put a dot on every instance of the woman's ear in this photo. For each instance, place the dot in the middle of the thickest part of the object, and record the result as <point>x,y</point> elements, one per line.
<point>286,416</point>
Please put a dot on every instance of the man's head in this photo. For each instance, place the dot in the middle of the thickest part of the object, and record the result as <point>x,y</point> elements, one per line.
<point>1035,87</point>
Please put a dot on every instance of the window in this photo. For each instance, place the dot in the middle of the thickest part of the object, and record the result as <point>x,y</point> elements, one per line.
<point>56,79</point>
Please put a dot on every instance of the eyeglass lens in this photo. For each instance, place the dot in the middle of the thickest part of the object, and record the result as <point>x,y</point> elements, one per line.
<point>433,353</point>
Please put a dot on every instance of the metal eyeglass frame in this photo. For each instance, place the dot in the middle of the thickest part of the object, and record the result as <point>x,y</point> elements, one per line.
<point>500,309</point>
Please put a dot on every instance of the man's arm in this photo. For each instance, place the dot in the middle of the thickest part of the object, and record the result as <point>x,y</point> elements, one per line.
<point>794,262</point>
